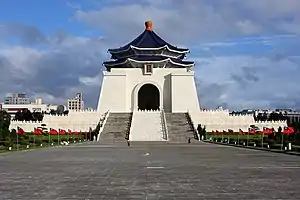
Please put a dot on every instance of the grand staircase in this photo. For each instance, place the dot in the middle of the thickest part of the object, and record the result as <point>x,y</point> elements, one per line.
<point>180,127</point>
<point>116,127</point>
<point>146,126</point>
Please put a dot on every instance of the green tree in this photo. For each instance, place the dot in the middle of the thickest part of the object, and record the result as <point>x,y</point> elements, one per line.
<point>4,120</point>
<point>4,129</point>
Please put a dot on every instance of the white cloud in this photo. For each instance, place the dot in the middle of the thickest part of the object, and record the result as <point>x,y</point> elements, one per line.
<point>249,81</point>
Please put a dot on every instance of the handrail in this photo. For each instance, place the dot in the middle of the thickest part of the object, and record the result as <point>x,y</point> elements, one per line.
<point>129,126</point>
<point>102,123</point>
<point>193,125</point>
<point>164,125</point>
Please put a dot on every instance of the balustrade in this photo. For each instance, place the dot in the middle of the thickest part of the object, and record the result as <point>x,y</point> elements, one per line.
<point>164,125</point>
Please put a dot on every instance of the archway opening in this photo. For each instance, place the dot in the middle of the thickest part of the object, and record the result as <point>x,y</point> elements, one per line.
<point>148,97</point>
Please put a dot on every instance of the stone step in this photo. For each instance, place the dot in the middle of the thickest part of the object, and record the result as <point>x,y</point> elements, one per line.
<point>116,127</point>
<point>179,129</point>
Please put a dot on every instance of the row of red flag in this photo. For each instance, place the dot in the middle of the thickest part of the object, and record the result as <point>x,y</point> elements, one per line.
<point>39,131</point>
<point>253,131</point>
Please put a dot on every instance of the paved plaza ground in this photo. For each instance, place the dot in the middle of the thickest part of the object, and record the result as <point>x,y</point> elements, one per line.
<point>148,171</point>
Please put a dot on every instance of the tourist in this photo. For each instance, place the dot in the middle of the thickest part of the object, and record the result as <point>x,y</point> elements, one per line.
<point>128,143</point>
<point>199,129</point>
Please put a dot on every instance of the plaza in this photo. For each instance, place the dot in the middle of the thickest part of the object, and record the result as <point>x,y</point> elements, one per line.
<point>148,170</point>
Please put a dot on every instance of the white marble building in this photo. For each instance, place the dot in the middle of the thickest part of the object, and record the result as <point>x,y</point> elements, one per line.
<point>150,74</point>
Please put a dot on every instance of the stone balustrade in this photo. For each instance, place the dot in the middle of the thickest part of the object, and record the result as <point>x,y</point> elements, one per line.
<point>222,120</point>
<point>75,121</point>
<point>149,111</point>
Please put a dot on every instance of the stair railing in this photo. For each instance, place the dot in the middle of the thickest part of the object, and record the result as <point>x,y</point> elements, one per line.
<point>192,126</point>
<point>129,126</point>
<point>102,122</point>
<point>164,124</point>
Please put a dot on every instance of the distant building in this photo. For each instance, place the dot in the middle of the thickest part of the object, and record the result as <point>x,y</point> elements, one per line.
<point>76,103</point>
<point>13,108</point>
<point>16,98</point>
<point>292,116</point>
<point>15,102</point>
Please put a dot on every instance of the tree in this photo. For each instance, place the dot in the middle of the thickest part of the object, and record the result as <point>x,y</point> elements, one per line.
<point>4,126</point>
<point>37,116</point>
<point>27,115</point>
<point>19,116</point>
<point>4,120</point>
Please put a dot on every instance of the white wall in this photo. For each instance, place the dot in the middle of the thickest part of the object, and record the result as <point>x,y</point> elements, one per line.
<point>113,92</point>
<point>76,121</point>
<point>184,93</point>
<point>221,120</point>
<point>120,87</point>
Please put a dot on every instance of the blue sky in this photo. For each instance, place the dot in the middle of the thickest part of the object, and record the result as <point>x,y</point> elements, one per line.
<point>246,52</point>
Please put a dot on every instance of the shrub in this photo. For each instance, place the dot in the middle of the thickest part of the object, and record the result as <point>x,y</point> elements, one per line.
<point>38,141</point>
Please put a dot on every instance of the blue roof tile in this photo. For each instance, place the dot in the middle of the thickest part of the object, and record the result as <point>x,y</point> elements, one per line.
<point>147,58</point>
<point>148,39</point>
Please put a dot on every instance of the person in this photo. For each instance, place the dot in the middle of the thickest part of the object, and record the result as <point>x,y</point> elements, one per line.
<point>199,129</point>
<point>128,143</point>
<point>189,140</point>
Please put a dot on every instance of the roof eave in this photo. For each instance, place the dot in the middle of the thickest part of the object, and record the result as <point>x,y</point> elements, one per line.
<point>114,51</point>
<point>149,61</point>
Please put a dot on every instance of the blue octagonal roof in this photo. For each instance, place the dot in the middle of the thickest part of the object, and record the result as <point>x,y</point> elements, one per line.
<point>149,40</point>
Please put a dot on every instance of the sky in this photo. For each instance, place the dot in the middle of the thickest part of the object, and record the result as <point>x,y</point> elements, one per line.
<point>246,52</point>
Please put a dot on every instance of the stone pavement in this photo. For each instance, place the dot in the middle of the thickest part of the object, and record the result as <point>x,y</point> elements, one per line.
<point>148,171</point>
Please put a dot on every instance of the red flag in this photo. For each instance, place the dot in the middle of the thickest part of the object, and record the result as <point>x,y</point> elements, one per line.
<point>62,132</point>
<point>230,131</point>
<point>53,131</point>
<point>37,131</point>
<point>224,132</point>
<point>241,132</point>
<point>267,131</point>
<point>217,132</point>
<point>288,130</point>
<point>70,131</point>
<point>20,131</point>
<point>251,131</point>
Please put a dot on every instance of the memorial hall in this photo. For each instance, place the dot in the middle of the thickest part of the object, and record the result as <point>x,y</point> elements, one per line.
<point>148,93</point>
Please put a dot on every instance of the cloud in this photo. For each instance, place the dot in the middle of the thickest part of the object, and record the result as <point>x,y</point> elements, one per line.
<point>245,57</point>
<point>248,82</point>
<point>55,72</point>
<point>197,20</point>
<point>26,34</point>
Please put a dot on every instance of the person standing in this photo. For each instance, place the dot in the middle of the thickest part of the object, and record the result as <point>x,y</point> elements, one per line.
<point>199,129</point>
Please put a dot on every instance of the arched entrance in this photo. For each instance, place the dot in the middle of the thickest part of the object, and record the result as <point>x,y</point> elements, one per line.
<point>148,97</point>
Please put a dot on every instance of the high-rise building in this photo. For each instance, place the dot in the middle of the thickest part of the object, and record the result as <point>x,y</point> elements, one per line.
<point>76,103</point>
<point>16,98</point>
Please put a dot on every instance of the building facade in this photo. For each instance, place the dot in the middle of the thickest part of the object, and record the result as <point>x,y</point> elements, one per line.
<point>76,103</point>
<point>148,74</point>
<point>16,98</point>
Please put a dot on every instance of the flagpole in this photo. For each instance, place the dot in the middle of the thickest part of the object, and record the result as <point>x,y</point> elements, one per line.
<point>281,141</point>
<point>248,138</point>
<point>58,138</point>
<point>228,138</point>
<point>262,140</point>
<point>49,140</point>
<point>17,141</point>
<point>238,137</point>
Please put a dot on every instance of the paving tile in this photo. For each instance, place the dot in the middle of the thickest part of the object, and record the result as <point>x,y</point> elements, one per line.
<point>148,171</point>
